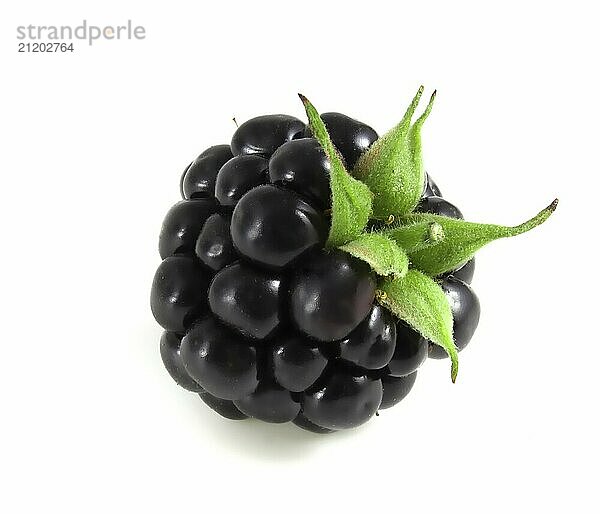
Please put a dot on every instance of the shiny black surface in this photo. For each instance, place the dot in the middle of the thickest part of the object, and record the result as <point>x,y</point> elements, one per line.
<point>222,362</point>
<point>225,408</point>
<point>214,246</point>
<point>305,424</point>
<point>198,180</point>
<point>395,389</point>
<point>264,134</point>
<point>301,165</point>
<point>410,352</point>
<point>272,226</point>
<point>464,272</point>
<point>342,400</point>
<point>170,343</point>
<point>351,137</point>
<point>465,311</point>
<point>437,205</point>
<point>371,344</point>
<point>270,403</point>
<point>178,294</point>
<point>297,362</point>
<point>238,176</point>
<point>431,188</point>
<point>182,225</point>
<point>247,298</point>
<point>331,293</point>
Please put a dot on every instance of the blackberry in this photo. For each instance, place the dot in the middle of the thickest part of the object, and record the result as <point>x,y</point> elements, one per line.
<point>277,300</point>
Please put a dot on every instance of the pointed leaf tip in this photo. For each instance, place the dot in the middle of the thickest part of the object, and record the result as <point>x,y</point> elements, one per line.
<point>393,166</point>
<point>351,200</point>
<point>462,239</point>
<point>412,108</point>
<point>419,301</point>
<point>421,119</point>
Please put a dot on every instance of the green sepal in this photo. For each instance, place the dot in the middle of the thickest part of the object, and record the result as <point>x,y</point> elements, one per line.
<point>393,166</point>
<point>415,236</point>
<point>463,238</point>
<point>351,200</point>
<point>381,253</point>
<point>419,301</point>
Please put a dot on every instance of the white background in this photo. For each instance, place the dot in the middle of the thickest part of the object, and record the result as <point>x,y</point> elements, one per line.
<point>92,148</point>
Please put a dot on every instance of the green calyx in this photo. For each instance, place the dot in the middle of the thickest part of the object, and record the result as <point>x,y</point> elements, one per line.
<point>379,251</point>
<point>393,166</point>
<point>412,248</point>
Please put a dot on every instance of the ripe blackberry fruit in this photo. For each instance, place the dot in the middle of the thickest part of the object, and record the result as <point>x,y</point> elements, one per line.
<point>300,284</point>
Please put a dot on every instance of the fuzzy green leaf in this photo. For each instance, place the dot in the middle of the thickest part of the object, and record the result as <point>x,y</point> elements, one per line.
<point>416,236</point>
<point>463,238</point>
<point>393,166</point>
<point>381,253</point>
<point>421,302</point>
<point>351,200</point>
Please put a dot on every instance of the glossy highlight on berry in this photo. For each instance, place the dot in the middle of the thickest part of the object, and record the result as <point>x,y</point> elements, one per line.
<point>238,176</point>
<point>198,179</point>
<point>170,344</point>
<point>371,345</point>
<point>214,246</point>
<point>465,308</point>
<point>182,225</point>
<point>273,227</point>
<point>331,293</point>
<point>302,166</point>
<point>351,137</point>
<point>247,299</point>
<point>220,361</point>
<point>343,400</point>
<point>178,294</point>
<point>410,351</point>
<point>297,362</point>
<point>264,134</point>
